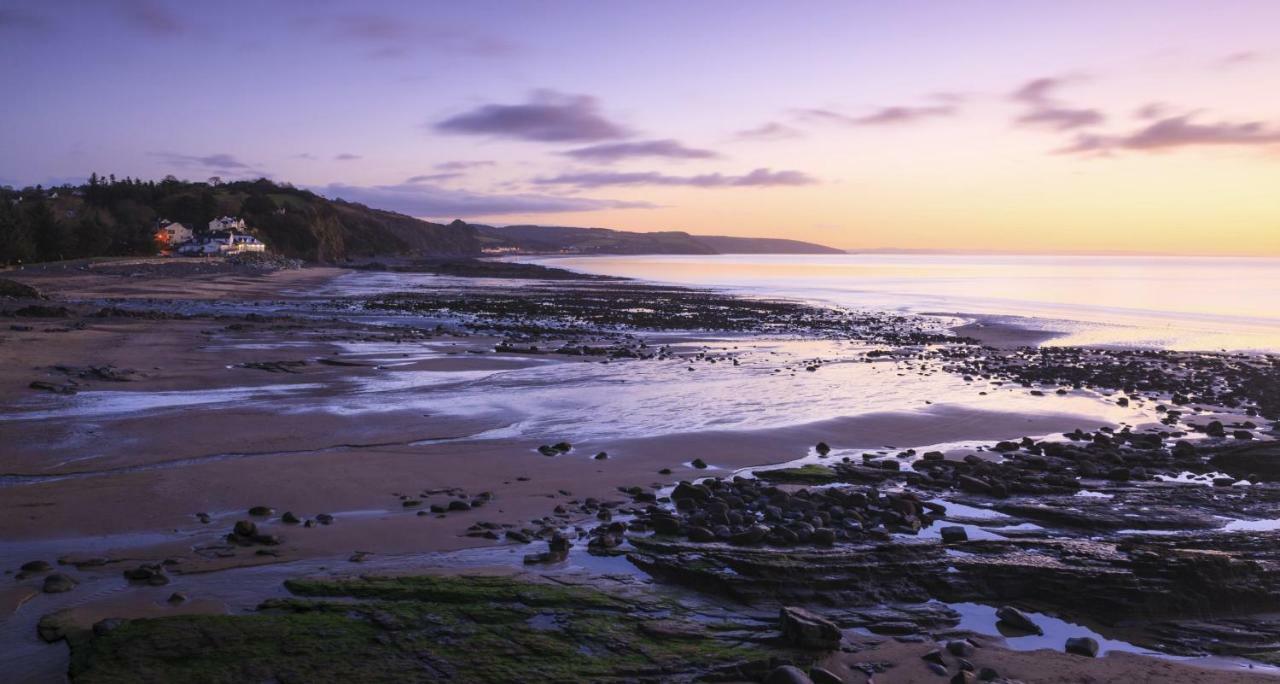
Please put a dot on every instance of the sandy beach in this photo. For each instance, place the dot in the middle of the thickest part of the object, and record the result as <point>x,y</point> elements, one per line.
<point>173,402</point>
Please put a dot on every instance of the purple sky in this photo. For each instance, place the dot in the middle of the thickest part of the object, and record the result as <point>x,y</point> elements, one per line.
<point>854,123</point>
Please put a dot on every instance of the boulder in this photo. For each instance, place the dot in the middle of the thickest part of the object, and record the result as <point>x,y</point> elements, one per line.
<point>787,674</point>
<point>953,534</point>
<point>1015,619</point>
<point>58,583</point>
<point>804,629</point>
<point>1085,646</point>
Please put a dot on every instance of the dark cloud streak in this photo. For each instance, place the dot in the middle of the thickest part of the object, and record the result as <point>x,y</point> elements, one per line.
<point>1043,110</point>
<point>548,116</point>
<point>1178,132</point>
<point>612,152</point>
<point>762,177</point>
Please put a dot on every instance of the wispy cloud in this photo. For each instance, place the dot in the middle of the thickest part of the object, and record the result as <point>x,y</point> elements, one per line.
<point>347,156</point>
<point>946,104</point>
<point>1178,132</point>
<point>1236,59</point>
<point>548,116</point>
<point>464,165</point>
<point>434,202</point>
<point>434,177</point>
<point>612,152</point>
<point>758,178</point>
<point>1043,110</point>
<point>221,161</point>
<point>386,36</point>
<point>769,130</point>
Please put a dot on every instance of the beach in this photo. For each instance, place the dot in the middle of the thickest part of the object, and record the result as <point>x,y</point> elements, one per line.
<point>411,421</point>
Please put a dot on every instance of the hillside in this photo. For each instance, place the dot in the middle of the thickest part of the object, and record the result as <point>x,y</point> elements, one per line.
<point>724,244</point>
<point>106,217</point>
<point>606,241</point>
<point>109,217</point>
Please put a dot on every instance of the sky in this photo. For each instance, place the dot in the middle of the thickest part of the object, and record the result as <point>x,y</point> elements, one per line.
<point>1022,126</point>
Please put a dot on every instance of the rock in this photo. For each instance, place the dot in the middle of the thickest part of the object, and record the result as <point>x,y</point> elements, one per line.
<point>961,648</point>
<point>562,447</point>
<point>177,597</point>
<point>290,518</point>
<point>34,567</point>
<point>988,674</point>
<point>245,528</point>
<point>953,534</point>
<point>933,456</point>
<point>548,450</point>
<point>602,456</point>
<point>823,676</point>
<point>324,518</point>
<point>16,290</point>
<point>787,674</point>
<point>459,505</point>
<point>58,583</point>
<point>699,464</point>
<point>53,627</point>
<point>261,511</point>
<point>107,626</point>
<point>1085,646</point>
<point>147,573</point>
<point>934,656</point>
<point>822,448</point>
<point>1242,434</point>
<point>808,630</point>
<point>1016,619</point>
<point>964,677</point>
<point>1215,429</point>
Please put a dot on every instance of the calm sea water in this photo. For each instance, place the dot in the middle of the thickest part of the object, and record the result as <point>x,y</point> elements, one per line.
<point>1189,303</point>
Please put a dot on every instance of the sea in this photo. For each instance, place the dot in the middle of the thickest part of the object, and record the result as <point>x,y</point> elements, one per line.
<point>1159,302</point>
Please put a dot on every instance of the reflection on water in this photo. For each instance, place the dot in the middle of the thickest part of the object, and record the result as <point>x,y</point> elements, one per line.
<point>1170,302</point>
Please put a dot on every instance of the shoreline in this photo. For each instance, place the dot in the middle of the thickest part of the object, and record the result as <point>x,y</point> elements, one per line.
<point>324,409</point>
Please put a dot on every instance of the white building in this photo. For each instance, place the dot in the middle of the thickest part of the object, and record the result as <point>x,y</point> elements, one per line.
<point>173,234</point>
<point>226,224</point>
<point>230,243</point>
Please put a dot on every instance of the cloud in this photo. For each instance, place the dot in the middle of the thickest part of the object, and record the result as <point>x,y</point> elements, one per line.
<point>1151,110</point>
<point>464,165</point>
<point>221,161</point>
<point>434,177</point>
<point>770,130</point>
<point>1177,132</point>
<point>882,116</point>
<point>757,178</point>
<point>1043,110</point>
<point>902,115</point>
<point>347,156</point>
<point>431,201</point>
<point>548,116</point>
<point>612,152</point>
<point>1236,59</point>
<point>386,36</point>
<point>149,17</point>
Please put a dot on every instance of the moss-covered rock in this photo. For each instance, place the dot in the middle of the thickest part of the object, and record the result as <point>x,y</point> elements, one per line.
<point>404,629</point>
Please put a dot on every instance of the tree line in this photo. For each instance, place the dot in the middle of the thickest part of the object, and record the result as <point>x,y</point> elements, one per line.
<point>107,216</point>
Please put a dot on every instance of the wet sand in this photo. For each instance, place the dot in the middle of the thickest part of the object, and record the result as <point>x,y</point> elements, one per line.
<point>121,486</point>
